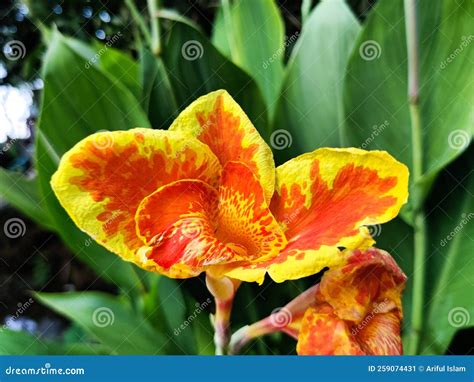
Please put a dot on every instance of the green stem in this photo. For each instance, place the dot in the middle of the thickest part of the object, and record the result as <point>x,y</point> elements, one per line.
<point>417,153</point>
<point>153,6</point>
<point>137,17</point>
<point>418,283</point>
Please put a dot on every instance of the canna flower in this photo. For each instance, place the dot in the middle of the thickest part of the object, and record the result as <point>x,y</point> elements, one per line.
<point>204,196</point>
<point>355,310</point>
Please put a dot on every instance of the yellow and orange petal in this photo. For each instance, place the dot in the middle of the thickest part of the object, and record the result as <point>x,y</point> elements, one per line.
<point>324,200</point>
<point>192,226</point>
<point>103,178</point>
<point>244,219</point>
<point>381,335</point>
<point>323,333</point>
<point>218,121</point>
<point>369,281</point>
<point>178,222</point>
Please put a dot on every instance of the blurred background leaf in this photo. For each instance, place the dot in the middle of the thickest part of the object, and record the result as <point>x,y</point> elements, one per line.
<point>21,343</point>
<point>158,98</point>
<point>376,104</point>
<point>252,35</point>
<point>309,108</point>
<point>23,193</point>
<point>84,100</point>
<point>110,320</point>
<point>197,68</point>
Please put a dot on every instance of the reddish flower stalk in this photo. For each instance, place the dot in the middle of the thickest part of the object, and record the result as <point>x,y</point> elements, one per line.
<point>223,290</point>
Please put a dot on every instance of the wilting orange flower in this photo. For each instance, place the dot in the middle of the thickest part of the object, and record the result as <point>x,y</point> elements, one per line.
<point>356,309</point>
<point>205,196</point>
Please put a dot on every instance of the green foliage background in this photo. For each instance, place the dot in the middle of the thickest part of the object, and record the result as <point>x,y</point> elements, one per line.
<point>338,79</point>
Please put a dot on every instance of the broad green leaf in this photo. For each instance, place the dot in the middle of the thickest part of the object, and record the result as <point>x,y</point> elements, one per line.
<point>309,112</point>
<point>376,106</point>
<point>450,266</point>
<point>158,99</point>
<point>197,68</point>
<point>202,329</point>
<point>115,63</point>
<point>21,343</point>
<point>77,102</point>
<point>110,320</point>
<point>172,301</point>
<point>23,194</point>
<point>165,306</point>
<point>173,15</point>
<point>305,9</point>
<point>173,304</point>
<point>122,67</point>
<point>252,34</point>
